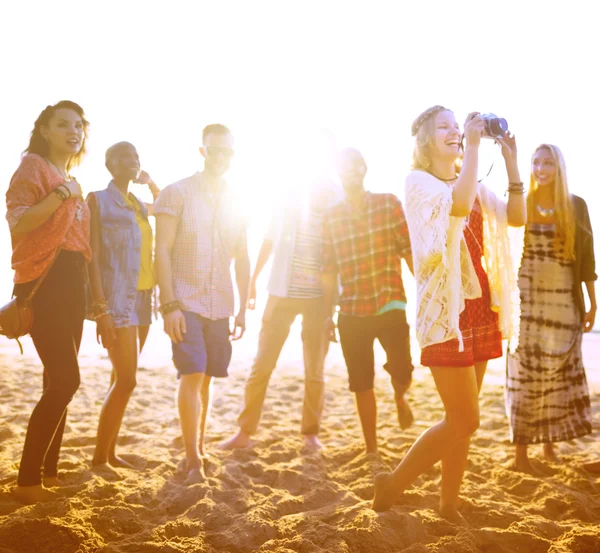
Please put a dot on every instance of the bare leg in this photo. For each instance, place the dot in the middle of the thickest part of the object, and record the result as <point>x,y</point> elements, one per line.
<point>593,467</point>
<point>521,462</point>
<point>367,412</point>
<point>124,360</point>
<point>142,335</point>
<point>457,387</point>
<point>405,416</point>
<point>550,453</point>
<point>205,400</point>
<point>454,464</point>
<point>113,458</point>
<point>190,387</point>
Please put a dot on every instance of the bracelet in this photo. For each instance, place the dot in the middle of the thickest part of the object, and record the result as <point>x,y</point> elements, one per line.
<point>67,191</point>
<point>169,307</point>
<point>97,316</point>
<point>60,194</point>
<point>100,306</point>
<point>516,188</point>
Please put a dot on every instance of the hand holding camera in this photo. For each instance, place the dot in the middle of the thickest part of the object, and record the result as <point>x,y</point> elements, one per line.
<point>474,128</point>
<point>496,128</point>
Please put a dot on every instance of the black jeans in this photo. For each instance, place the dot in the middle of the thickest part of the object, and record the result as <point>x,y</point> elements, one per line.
<point>58,309</point>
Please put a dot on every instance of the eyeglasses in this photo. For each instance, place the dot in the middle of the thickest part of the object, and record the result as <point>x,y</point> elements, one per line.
<point>214,151</point>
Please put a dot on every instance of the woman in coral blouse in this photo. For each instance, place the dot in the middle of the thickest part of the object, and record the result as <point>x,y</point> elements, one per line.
<point>50,227</point>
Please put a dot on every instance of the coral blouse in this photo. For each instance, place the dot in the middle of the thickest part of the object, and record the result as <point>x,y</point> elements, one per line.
<point>67,228</point>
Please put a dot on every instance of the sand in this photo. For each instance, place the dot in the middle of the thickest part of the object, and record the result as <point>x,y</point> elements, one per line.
<point>275,497</point>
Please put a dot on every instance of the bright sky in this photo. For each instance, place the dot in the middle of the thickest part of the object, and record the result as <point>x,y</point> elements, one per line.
<point>276,72</point>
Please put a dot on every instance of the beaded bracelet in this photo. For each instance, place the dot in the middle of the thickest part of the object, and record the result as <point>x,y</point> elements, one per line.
<point>169,307</point>
<point>97,316</point>
<point>516,188</point>
<point>100,308</point>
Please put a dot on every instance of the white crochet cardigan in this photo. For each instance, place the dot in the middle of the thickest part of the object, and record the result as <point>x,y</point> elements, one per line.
<point>443,268</point>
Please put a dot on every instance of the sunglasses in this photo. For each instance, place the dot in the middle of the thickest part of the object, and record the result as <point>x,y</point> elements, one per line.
<point>214,151</point>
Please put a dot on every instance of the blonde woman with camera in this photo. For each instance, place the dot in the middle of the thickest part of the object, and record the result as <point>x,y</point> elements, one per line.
<point>458,231</point>
<point>547,397</point>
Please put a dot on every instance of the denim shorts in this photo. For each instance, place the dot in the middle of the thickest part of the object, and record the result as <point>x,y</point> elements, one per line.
<point>205,348</point>
<point>142,311</point>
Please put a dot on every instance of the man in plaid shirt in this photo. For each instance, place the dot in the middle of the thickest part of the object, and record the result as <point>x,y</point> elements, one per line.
<point>199,232</point>
<point>365,239</point>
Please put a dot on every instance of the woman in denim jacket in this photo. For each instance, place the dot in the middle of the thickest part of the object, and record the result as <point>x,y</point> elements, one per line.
<point>122,281</point>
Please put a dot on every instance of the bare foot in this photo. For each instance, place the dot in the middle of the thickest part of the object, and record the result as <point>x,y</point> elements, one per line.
<point>239,441</point>
<point>106,471</point>
<point>451,514</point>
<point>53,482</point>
<point>312,442</point>
<point>405,416</point>
<point>550,454</point>
<point>523,465</point>
<point>385,496</point>
<point>195,475</point>
<point>99,461</point>
<point>34,494</point>
<point>592,467</point>
<point>118,462</point>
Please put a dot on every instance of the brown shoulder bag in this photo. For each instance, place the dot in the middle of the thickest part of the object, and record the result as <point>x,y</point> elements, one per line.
<point>16,317</point>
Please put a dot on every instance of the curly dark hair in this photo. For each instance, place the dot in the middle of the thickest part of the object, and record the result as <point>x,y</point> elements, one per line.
<point>37,143</point>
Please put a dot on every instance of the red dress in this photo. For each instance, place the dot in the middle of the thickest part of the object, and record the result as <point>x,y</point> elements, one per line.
<point>478,323</point>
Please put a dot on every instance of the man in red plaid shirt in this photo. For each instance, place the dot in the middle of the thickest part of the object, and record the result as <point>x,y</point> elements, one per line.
<point>365,239</point>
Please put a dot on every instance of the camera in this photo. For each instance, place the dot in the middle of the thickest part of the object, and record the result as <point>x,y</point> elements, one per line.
<point>494,125</point>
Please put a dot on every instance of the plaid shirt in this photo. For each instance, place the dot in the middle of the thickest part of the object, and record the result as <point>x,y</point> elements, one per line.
<point>366,248</point>
<point>208,233</point>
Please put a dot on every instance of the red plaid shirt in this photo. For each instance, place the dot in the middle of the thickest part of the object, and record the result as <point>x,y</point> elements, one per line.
<point>366,248</point>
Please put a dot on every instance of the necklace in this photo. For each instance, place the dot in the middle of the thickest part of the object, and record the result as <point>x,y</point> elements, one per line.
<point>64,174</point>
<point>444,180</point>
<point>544,212</point>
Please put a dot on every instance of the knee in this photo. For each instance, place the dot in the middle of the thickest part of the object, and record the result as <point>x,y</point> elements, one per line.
<point>64,391</point>
<point>261,370</point>
<point>466,425</point>
<point>401,386</point>
<point>126,385</point>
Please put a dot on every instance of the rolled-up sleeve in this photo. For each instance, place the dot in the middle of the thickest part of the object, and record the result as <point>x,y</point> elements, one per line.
<point>169,202</point>
<point>24,191</point>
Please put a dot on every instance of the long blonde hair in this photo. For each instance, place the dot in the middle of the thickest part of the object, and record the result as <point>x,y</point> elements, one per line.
<point>564,210</point>
<point>423,129</point>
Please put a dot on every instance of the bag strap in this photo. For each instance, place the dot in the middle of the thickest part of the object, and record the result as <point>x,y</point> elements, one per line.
<point>42,278</point>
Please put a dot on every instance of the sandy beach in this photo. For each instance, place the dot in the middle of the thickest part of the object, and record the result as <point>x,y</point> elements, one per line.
<point>275,497</point>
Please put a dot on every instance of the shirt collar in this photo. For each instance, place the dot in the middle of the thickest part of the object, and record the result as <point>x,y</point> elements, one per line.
<point>366,201</point>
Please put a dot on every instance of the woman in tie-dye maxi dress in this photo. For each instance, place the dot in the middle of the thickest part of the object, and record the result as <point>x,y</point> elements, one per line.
<point>547,397</point>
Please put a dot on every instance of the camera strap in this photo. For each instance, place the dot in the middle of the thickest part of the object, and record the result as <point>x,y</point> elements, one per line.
<point>462,147</point>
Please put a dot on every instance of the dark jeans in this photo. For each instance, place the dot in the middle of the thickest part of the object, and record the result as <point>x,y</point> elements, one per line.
<point>59,309</point>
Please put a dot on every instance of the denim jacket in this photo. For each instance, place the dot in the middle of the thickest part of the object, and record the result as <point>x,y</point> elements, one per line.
<point>120,252</point>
